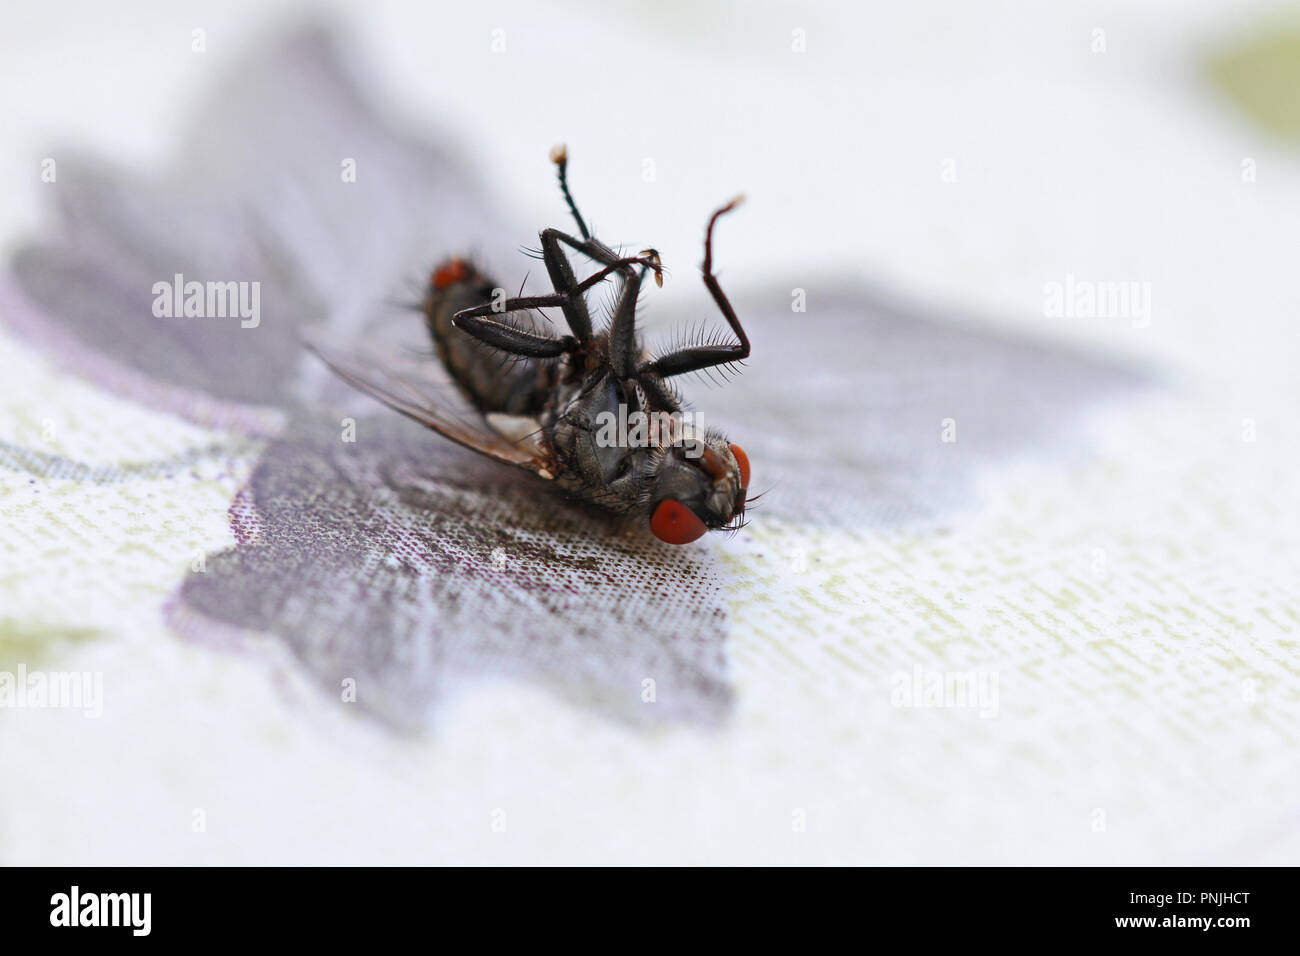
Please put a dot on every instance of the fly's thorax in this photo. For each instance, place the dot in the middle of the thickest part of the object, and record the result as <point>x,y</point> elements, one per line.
<point>602,468</point>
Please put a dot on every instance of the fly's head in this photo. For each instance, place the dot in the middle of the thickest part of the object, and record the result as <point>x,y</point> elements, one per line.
<point>698,485</point>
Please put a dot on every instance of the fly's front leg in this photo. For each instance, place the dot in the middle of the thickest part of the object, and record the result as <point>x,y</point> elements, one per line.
<point>697,357</point>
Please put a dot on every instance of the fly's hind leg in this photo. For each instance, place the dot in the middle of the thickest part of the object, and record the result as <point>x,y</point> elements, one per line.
<point>569,295</point>
<point>558,267</point>
<point>516,341</point>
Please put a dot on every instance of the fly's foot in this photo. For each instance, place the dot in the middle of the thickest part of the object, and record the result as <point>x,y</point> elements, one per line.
<point>650,260</point>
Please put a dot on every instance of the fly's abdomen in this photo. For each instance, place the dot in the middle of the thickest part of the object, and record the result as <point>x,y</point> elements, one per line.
<point>493,381</point>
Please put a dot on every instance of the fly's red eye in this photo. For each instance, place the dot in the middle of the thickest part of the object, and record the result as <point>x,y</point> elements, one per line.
<point>450,272</point>
<point>675,523</point>
<point>743,461</point>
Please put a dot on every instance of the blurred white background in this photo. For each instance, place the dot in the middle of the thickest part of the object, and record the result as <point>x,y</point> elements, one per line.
<point>1122,164</point>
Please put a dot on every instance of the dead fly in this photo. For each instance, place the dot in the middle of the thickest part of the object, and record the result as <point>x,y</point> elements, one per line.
<point>546,408</point>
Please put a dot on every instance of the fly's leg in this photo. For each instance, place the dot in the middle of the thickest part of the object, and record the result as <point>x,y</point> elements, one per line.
<point>566,283</point>
<point>697,357</point>
<point>572,303</point>
<point>658,395</point>
<point>563,280</point>
<point>569,295</point>
<point>560,269</point>
<point>623,351</point>
<point>516,341</point>
<point>560,157</point>
<point>510,305</point>
<point>522,342</point>
<point>647,259</point>
<point>510,338</point>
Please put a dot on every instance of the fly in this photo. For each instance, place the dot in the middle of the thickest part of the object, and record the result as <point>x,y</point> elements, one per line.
<point>550,407</point>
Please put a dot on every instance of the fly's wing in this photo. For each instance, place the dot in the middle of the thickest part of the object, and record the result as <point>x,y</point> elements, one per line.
<point>409,393</point>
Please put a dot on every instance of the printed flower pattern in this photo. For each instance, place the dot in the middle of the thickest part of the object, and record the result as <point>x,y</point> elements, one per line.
<point>410,565</point>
